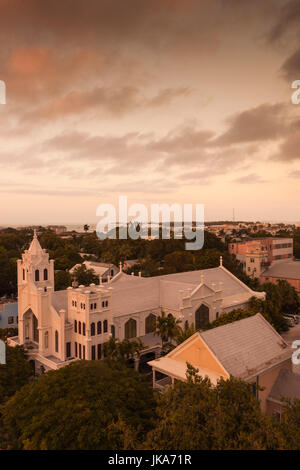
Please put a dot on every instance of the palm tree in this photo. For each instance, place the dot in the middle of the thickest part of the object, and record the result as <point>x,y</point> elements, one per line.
<point>123,350</point>
<point>185,333</point>
<point>167,327</point>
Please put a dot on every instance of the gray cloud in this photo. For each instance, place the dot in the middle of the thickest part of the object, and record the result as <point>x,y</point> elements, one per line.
<point>290,69</point>
<point>249,179</point>
<point>295,174</point>
<point>289,150</point>
<point>263,123</point>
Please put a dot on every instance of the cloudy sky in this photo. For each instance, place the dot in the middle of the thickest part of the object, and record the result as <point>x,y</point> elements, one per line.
<point>160,100</point>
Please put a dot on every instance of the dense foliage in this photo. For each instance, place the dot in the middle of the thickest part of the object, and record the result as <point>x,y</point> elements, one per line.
<point>86,405</point>
<point>15,373</point>
<point>197,416</point>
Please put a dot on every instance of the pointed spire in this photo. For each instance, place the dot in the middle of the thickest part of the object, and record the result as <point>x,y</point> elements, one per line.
<point>35,246</point>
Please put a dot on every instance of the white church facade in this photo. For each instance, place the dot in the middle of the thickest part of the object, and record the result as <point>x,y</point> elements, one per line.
<point>58,327</point>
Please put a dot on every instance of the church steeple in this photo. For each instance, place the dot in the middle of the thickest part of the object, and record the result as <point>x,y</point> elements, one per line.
<point>35,247</point>
<point>35,266</point>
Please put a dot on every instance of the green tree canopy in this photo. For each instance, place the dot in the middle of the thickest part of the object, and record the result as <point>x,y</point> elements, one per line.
<point>15,373</point>
<point>197,416</point>
<point>86,405</point>
<point>85,276</point>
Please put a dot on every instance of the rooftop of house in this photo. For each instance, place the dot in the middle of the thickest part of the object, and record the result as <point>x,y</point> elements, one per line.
<point>247,347</point>
<point>98,267</point>
<point>244,348</point>
<point>287,385</point>
<point>289,269</point>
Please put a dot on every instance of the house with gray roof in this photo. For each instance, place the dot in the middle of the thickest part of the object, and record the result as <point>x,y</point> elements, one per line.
<point>248,349</point>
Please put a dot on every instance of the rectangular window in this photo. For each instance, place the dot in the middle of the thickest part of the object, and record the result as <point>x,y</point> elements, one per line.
<point>83,352</point>
<point>10,320</point>
<point>68,349</point>
<point>99,351</point>
<point>93,353</point>
<point>76,349</point>
<point>79,351</point>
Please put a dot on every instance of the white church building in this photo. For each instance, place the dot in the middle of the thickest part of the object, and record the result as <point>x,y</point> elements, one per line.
<point>58,327</point>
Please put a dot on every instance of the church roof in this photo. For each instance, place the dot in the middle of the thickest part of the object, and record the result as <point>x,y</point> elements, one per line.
<point>60,300</point>
<point>133,293</point>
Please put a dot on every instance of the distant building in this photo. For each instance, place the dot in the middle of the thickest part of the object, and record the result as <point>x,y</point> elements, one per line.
<point>248,349</point>
<point>268,259</point>
<point>57,228</point>
<point>129,263</point>
<point>104,271</point>
<point>285,270</point>
<point>8,315</point>
<point>257,254</point>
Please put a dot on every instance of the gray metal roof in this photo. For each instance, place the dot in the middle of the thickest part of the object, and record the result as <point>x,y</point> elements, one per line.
<point>284,269</point>
<point>247,347</point>
<point>286,385</point>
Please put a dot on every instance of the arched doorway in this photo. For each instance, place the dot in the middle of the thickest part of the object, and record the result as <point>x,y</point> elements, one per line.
<point>201,316</point>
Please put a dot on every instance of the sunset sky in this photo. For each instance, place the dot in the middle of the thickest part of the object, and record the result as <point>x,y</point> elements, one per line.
<point>164,101</point>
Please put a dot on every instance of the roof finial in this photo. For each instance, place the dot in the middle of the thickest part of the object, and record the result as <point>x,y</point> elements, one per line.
<point>34,233</point>
<point>120,266</point>
<point>221,260</point>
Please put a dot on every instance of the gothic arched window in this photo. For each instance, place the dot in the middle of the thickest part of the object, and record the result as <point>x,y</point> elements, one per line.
<point>92,329</point>
<point>75,326</point>
<point>45,274</point>
<point>56,341</point>
<point>79,327</point>
<point>105,326</point>
<point>99,328</point>
<point>130,329</point>
<point>83,329</point>
<point>150,323</point>
<point>201,316</point>
<point>37,275</point>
